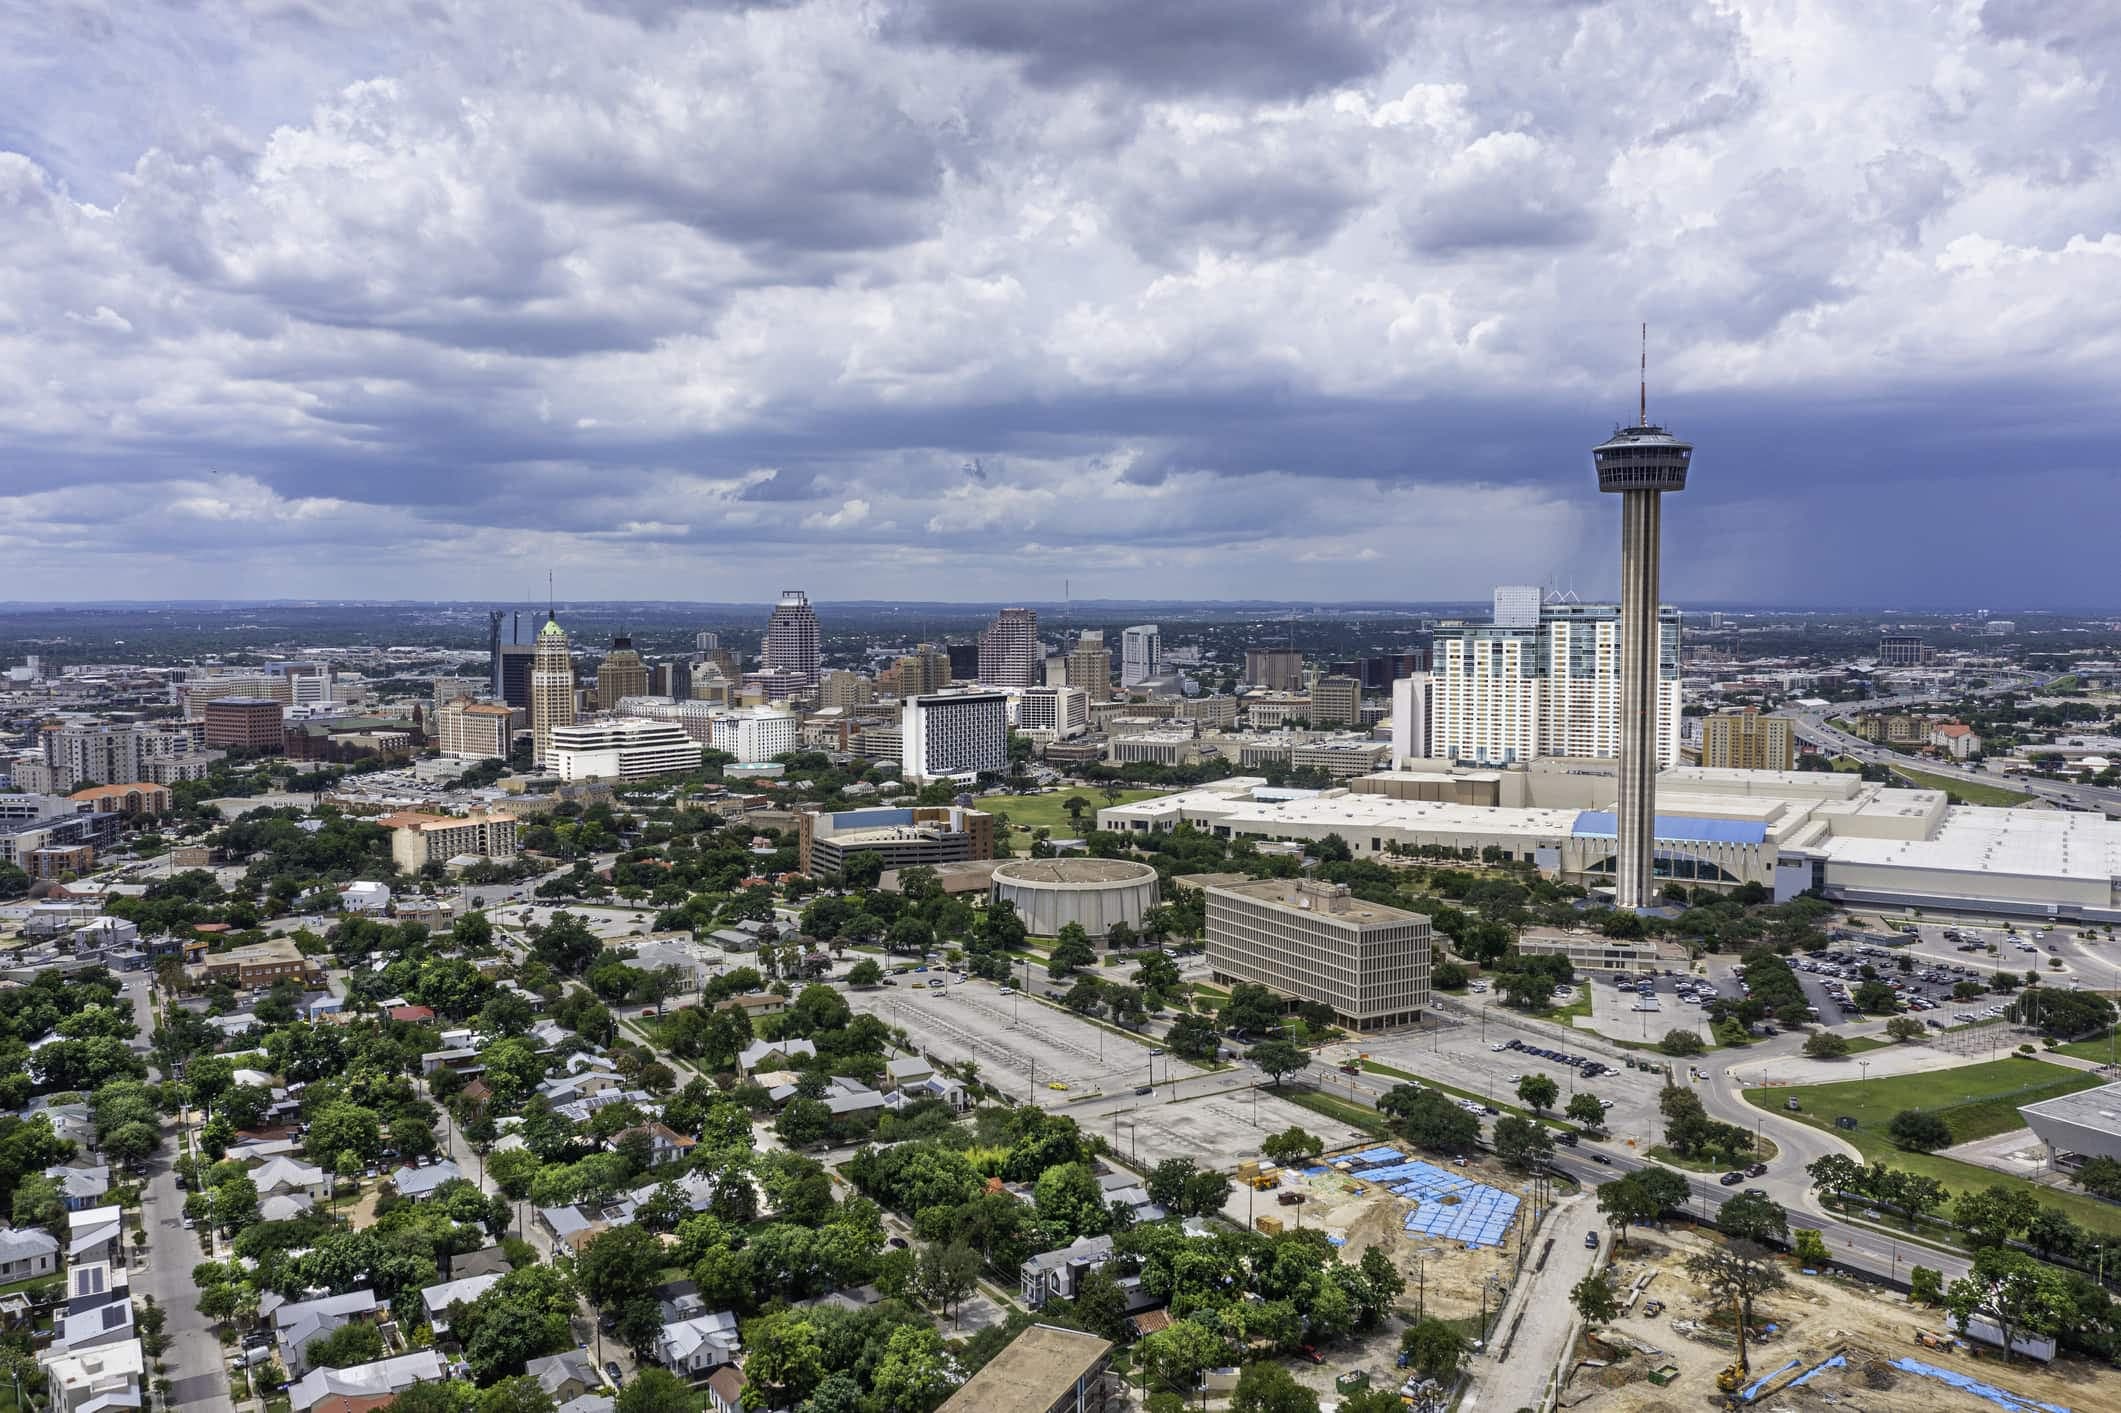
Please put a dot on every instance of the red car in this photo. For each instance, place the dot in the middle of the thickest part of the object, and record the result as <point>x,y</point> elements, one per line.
<point>1310,1352</point>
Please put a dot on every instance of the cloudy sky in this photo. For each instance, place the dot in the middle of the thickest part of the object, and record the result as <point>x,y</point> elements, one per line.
<point>959,298</point>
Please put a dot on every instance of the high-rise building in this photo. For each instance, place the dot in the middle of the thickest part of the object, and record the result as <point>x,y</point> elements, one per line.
<point>1639,464</point>
<point>1274,669</point>
<point>1900,650</point>
<point>621,674</point>
<point>704,642</point>
<point>1500,695</point>
<point>1090,665</point>
<point>792,638</point>
<point>964,661</point>
<point>1141,654</point>
<point>845,689</point>
<point>512,666</point>
<point>1336,701</point>
<point>1009,652</point>
<point>925,669</point>
<point>1746,740</point>
<point>551,688</point>
<point>756,734</point>
<point>76,752</point>
<point>1057,712</point>
<point>472,730</point>
<point>1410,718</point>
<point>255,724</point>
<point>1308,940</point>
<point>1517,605</point>
<point>954,735</point>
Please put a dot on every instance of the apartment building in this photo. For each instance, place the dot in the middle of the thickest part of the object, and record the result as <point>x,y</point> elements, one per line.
<point>1747,740</point>
<point>954,735</point>
<point>1314,941</point>
<point>472,730</point>
<point>1009,653</point>
<point>418,839</point>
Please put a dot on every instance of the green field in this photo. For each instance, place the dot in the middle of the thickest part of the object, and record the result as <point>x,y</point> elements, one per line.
<point>1962,792</point>
<point>2100,1047</point>
<point>1978,1101</point>
<point>1029,812</point>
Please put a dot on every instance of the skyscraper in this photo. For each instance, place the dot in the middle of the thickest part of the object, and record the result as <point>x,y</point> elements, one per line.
<point>705,642</point>
<point>621,674</point>
<point>1639,464</point>
<point>1141,654</point>
<point>1746,740</point>
<point>1009,653</point>
<point>792,638</point>
<point>551,688</point>
<point>1090,665</point>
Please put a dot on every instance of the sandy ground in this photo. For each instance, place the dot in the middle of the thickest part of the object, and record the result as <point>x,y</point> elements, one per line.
<point>1814,1318</point>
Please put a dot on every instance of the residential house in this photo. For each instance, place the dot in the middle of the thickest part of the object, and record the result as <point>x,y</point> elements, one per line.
<point>1127,1188</point>
<point>486,1261</point>
<point>565,1377</point>
<point>773,1054</point>
<point>725,1390</point>
<point>910,1070</point>
<point>694,1345</point>
<point>665,1144</point>
<point>419,1184</point>
<point>96,1327</point>
<point>104,1379</point>
<point>296,1323</point>
<point>844,1096</point>
<point>1056,1275</point>
<point>438,1298</point>
<point>82,1187</point>
<point>95,1283</point>
<point>291,1177</point>
<point>364,898</point>
<point>95,1234</point>
<point>569,1226</point>
<point>464,1060</point>
<point>589,1403</point>
<point>284,1207</point>
<point>27,1253</point>
<point>384,1378</point>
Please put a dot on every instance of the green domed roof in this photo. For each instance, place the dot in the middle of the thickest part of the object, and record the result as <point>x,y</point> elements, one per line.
<point>552,628</point>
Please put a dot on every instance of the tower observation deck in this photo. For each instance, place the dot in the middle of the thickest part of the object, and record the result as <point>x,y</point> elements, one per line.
<point>1639,464</point>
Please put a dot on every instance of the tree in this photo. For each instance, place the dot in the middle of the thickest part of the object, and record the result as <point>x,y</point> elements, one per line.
<point>1757,1219</point>
<point>1825,1045</point>
<point>341,1127</point>
<point>803,1122</point>
<point>1434,1350</point>
<point>1072,948</point>
<point>1920,1130</point>
<point>947,1274</point>
<point>1292,1145</point>
<point>1876,998</point>
<point>1176,1354</point>
<point>2023,1296</point>
<point>1925,1284</point>
<point>1538,1091</point>
<point>1269,1388</point>
<point>1595,1300</point>
<point>1101,1305</point>
<point>914,1373</point>
<point>1738,1270</point>
<point>655,1390</point>
<point>1522,1144</point>
<point>1277,1058</point>
<point>1585,1109</point>
<point>345,1347</point>
<point>1251,1008</point>
<point>1681,1042</point>
<point>2051,1232</point>
<point>1809,1247</point>
<point>1994,1215</point>
<point>1429,1119</point>
<point>1624,1202</point>
<point>1904,1028</point>
<point>619,1264</point>
<point>1836,1172</point>
<point>865,973</point>
<point>1192,1037</point>
<point>2101,1176</point>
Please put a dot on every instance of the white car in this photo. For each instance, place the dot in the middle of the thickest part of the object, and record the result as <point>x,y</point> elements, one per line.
<point>1498,1045</point>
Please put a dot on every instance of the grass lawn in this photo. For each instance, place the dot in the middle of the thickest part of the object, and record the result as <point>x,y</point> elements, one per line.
<point>2099,1047</point>
<point>1978,1101</point>
<point>1962,792</point>
<point>1671,1158</point>
<point>1028,812</point>
<point>1355,1116</point>
<point>1566,1013</point>
<point>1860,1043</point>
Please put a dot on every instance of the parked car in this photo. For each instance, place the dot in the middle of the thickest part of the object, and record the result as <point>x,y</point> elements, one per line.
<point>1590,1241</point>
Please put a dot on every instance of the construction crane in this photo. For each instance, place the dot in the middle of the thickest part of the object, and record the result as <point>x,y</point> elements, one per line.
<point>1733,1377</point>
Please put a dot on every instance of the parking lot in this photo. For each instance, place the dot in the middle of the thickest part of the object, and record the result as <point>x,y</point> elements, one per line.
<point>1021,1045</point>
<point>1622,1009</point>
<point>1216,1131</point>
<point>1922,975</point>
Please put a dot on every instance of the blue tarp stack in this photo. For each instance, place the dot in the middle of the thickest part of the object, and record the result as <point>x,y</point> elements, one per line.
<point>1476,1214</point>
<point>1371,1157</point>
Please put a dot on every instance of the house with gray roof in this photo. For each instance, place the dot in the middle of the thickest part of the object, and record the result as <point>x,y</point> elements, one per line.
<point>296,1323</point>
<point>26,1253</point>
<point>419,1184</point>
<point>386,1378</point>
<point>81,1187</point>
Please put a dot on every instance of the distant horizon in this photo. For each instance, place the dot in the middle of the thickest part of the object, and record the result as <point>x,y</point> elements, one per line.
<point>1040,605</point>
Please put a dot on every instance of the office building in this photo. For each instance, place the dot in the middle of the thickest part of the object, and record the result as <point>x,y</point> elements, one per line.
<point>1312,941</point>
<point>1009,651</point>
<point>621,674</point>
<point>1900,650</point>
<point>1141,654</point>
<point>1746,740</point>
<point>253,725</point>
<point>792,638</point>
<point>926,834</point>
<point>756,734</point>
<point>1090,665</point>
<point>1410,717</point>
<point>1336,701</point>
<point>1054,713</point>
<point>671,679</point>
<point>511,665</point>
<point>925,669</point>
<point>964,661</point>
<point>551,689</point>
<point>418,838</point>
<point>711,684</point>
<point>843,689</point>
<point>1640,464</point>
<point>469,730</point>
<point>1274,669</point>
<point>1500,695</point>
<point>1999,628</point>
<point>623,748</point>
<point>1517,605</point>
<point>954,736</point>
<point>2077,1126</point>
<point>705,642</point>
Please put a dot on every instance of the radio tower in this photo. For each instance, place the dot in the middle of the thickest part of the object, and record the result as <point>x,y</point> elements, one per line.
<point>1639,463</point>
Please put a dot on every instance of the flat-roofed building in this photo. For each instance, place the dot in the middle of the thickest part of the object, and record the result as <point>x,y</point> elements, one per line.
<point>256,724</point>
<point>1061,713</point>
<point>954,735</point>
<point>473,730</point>
<point>255,964</point>
<point>623,748</point>
<point>1313,941</point>
<point>2077,1126</point>
<point>925,834</point>
<point>1046,1369</point>
<point>418,838</point>
<point>1336,701</point>
<point>1746,740</point>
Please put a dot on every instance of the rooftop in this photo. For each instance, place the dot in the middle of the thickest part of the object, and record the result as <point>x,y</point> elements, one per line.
<point>1074,870</point>
<point>2088,1108</point>
<point>1032,1373</point>
<point>1300,895</point>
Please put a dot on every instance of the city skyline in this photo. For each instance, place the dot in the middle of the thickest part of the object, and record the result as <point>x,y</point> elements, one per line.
<point>435,298</point>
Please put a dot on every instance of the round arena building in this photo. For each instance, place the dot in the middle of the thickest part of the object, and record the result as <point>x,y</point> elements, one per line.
<point>1095,893</point>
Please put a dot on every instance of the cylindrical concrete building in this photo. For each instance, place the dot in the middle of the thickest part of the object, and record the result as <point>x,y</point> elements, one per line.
<point>1095,893</point>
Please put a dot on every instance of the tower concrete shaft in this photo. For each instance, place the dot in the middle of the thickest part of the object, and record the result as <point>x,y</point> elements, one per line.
<point>1641,514</point>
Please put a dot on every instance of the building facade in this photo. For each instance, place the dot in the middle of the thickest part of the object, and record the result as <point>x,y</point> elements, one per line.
<point>1336,701</point>
<point>792,638</point>
<point>1313,941</point>
<point>621,674</point>
<point>1009,653</point>
<point>1090,665</point>
<point>257,725</point>
<point>1060,713</point>
<point>623,748</point>
<point>901,838</point>
<point>954,735</point>
<point>1746,740</point>
<point>1274,669</point>
<point>1141,654</point>
<point>469,730</point>
<point>551,689</point>
<point>418,838</point>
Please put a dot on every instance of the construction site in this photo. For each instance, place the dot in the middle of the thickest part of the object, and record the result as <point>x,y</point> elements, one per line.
<point>1818,1342</point>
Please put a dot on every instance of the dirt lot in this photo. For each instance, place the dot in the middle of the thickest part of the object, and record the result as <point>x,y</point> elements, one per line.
<point>1814,1318</point>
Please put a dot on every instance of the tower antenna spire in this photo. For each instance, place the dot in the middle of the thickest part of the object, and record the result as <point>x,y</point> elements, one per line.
<point>1643,407</point>
<point>551,613</point>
